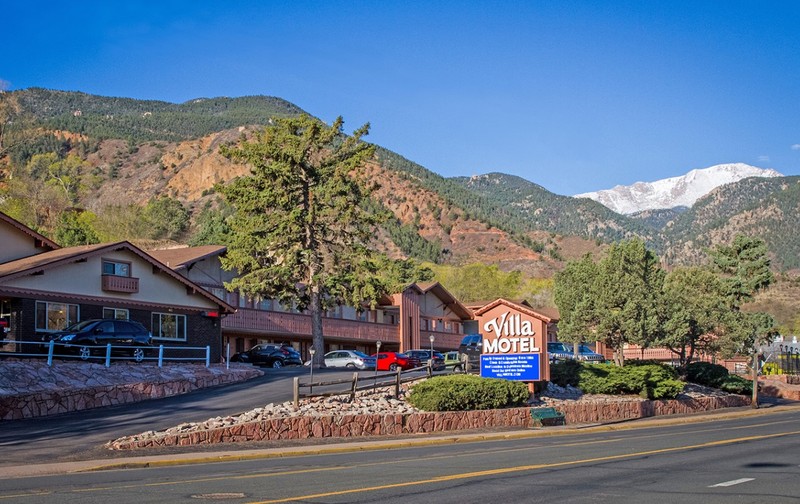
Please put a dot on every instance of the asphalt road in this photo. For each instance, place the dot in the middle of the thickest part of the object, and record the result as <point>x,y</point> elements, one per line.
<point>80,435</point>
<point>752,459</point>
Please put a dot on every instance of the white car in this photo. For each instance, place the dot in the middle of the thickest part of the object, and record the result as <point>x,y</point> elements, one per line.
<point>352,359</point>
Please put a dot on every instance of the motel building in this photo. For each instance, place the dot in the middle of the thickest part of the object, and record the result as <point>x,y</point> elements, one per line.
<point>514,333</point>
<point>180,295</point>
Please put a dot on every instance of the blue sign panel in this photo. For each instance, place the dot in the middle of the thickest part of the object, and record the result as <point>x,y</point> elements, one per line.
<point>522,367</point>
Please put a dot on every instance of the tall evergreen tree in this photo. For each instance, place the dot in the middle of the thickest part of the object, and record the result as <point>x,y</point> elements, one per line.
<point>627,294</point>
<point>301,230</point>
<point>695,307</point>
<point>573,293</point>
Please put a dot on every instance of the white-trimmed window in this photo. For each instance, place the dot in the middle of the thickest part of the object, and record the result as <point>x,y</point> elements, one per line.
<point>116,268</point>
<point>169,326</point>
<point>55,316</point>
<point>116,313</point>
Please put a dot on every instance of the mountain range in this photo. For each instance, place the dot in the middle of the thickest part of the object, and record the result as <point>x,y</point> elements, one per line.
<point>134,150</point>
<point>674,192</point>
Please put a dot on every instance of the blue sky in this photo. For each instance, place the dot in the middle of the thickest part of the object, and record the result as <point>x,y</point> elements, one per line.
<point>572,95</point>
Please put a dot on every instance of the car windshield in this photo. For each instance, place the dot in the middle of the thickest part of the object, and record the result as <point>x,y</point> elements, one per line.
<point>81,325</point>
<point>586,349</point>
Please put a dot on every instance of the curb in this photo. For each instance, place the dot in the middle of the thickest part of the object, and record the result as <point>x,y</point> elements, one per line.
<point>153,461</point>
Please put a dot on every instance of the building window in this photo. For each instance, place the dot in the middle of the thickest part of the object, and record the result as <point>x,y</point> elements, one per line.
<point>116,268</point>
<point>169,326</point>
<point>116,313</point>
<point>55,316</point>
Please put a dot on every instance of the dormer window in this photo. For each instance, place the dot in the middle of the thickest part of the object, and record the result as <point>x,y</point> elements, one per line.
<point>116,268</point>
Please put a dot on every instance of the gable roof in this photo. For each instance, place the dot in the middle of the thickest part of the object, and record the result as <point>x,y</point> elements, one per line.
<point>184,257</point>
<point>514,306</point>
<point>41,240</point>
<point>448,299</point>
<point>55,258</point>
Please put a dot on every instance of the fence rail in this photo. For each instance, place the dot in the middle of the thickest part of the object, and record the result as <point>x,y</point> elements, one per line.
<point>104,353</point>
<point>370,381</point>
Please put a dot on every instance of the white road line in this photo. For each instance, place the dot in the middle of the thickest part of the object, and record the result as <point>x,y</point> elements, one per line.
<point>732,482</point>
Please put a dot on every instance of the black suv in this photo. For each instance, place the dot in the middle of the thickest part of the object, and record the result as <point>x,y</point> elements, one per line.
<point>91,336</point>
<point>472,346</point>
<point>425,355</point>
<point>275,356</point>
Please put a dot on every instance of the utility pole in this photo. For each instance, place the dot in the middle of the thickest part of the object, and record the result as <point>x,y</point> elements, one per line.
<point>754,403</point>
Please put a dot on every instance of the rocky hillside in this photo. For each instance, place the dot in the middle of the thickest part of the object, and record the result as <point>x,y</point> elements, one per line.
<point>135,150</point>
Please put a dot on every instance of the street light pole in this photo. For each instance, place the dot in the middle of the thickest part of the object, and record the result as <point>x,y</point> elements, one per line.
<point>312,351</point>
<point>377,356</point>
<point>430,361</point>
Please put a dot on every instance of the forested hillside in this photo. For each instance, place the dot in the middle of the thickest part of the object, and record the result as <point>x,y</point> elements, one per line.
<point>129,161</point>
<point>765,207</point>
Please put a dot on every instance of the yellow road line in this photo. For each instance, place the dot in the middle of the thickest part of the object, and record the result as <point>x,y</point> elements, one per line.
<point>524,468</point>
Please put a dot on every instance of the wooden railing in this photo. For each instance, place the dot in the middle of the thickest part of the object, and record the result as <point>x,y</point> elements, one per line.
<point>114,283</point>
<point>280,323</point>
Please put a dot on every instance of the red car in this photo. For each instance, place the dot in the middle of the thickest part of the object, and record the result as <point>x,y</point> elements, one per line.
<point>390,361</point>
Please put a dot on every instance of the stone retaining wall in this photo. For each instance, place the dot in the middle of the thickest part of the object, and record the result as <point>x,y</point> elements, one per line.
<point>307,427</point>
<point>28,391</point>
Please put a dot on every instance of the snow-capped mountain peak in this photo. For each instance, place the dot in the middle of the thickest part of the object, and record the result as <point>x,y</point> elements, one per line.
<point>675,191</point>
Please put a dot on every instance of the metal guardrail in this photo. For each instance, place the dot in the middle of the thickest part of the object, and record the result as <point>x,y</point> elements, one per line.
<point>104,353</point>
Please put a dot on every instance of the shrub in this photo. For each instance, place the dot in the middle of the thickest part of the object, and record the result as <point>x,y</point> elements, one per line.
<point>467,392</point>
<point>565,373</point>
<point>649,380</point>
<point>705,373</point>
<point>735,384</point>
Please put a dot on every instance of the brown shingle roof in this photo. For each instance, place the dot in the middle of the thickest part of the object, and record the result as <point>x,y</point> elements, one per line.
<point>56,258</point>
<point>46,242</point>
<point>177,258</point>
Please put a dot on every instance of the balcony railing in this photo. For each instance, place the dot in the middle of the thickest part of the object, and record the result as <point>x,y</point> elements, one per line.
<point>296,324</point>
<point>114,283</point>
<point>441,340</point>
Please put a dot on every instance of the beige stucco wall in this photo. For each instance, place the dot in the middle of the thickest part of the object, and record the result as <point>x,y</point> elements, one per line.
<point>15,244</point>
<point>208,272</point>
<point>432,306</point>
<point>84,279</point>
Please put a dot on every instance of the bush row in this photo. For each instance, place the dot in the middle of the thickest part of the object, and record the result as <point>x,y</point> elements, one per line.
<point>647,379</point>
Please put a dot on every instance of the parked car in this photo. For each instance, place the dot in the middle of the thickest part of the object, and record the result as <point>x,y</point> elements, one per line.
<point>275,356</point>
<point>589,355</point>
<point>425,355</point>
<point>390,361</point>
<point>352,359</point>
<point>558,351</point>
<point>90,336</point>
<point>471,346</point>
<point>452,360</point>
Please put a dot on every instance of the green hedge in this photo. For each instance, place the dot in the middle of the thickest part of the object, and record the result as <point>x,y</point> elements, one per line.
<point>649,380</point>
<point>716,376</point>
<point>467,392</point>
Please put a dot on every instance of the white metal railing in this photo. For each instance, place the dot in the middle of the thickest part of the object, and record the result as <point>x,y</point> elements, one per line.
<point>105,353</point>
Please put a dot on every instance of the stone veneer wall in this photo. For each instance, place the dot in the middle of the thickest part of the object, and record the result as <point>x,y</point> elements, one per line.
<point>306,427</point>
<point>53,402</point>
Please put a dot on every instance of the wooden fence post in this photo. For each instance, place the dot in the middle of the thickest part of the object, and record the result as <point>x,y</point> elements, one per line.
<point>296,392</point>
<point>397,384</point>
<point>355,386</point>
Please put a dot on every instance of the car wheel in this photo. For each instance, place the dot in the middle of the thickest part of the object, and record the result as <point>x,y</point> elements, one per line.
<point>350,365</point>
<point>393,367</point>
<point>457,368</point>
<point>85,352</point>
<point>277,364</point>
<point>138,354</point>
